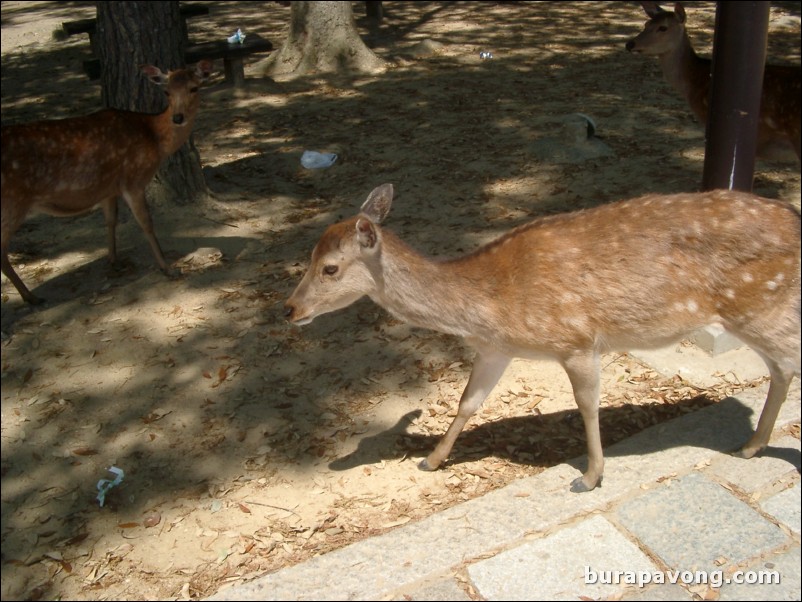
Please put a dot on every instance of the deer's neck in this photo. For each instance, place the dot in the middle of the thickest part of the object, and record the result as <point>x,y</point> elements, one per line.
<point>170,136</point>
<point>688,74</point>
<point>440,295</point>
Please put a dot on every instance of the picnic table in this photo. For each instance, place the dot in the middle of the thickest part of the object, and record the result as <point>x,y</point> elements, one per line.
<point>233,54</point>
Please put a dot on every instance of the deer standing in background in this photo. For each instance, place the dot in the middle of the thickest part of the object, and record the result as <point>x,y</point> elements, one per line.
<point>664,36</point>
<point>634,274</point>
<point>66,167</point>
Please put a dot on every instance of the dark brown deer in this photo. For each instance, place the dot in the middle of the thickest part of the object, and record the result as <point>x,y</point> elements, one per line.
<point>633,274</point>
<point>66,167</point>
<point>664,36</point>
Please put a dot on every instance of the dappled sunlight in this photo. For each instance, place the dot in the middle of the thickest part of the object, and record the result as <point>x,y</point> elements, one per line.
<point>261,444</point>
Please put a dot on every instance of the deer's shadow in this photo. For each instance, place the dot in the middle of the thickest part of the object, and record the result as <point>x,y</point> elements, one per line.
<point>549,440</point>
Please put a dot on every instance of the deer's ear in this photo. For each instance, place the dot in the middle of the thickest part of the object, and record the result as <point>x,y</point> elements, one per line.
<point>680,12</point>
<point>366,233</point>
<point>154,74</point>
<point>378,203</point>
<point>652,9</point>
<point>204,69</point>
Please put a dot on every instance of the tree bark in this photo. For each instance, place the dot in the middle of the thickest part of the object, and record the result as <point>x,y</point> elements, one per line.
<point>131,34</point>
<point>322,38</point>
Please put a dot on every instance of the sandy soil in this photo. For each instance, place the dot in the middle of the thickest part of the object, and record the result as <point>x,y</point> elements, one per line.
<point>248,445</point>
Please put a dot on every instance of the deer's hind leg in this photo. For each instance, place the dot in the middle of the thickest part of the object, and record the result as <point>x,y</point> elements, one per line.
<point>583,369</point>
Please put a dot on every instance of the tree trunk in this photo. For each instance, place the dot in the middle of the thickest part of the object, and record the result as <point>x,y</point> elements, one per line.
<point>131,34</point>
<point>322,38</point>
<point>373,9</point>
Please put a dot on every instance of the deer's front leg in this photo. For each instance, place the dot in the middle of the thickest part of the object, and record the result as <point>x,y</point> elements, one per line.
<point>487,370</point>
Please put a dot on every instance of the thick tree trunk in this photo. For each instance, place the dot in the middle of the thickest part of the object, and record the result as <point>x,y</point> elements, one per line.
<point>322,38</point>
<point>131,34</point>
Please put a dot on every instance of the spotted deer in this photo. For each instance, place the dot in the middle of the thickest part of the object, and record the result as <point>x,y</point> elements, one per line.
<point>66,167</point>
<point>664,35</point>
<point>633,274</point>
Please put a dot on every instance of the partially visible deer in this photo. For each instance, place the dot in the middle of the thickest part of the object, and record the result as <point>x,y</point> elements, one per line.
<point>664,36</point>
<point>633,274</point>
<point>66,167</point>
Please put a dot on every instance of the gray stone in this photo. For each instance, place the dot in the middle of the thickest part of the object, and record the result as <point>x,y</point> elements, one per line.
<point>669,592</point>
<point>715,340</point>
<point>447,590</point>
<point>778,460</point>
<point>785,579</point>
<point>581,560</point>
<point>692,523</point>
<point>785,507</point>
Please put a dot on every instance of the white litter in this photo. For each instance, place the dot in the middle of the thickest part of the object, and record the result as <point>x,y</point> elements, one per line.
<point>316,160</point>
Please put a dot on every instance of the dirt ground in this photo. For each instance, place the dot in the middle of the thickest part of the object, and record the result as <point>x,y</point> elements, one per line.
<point>248,445</point>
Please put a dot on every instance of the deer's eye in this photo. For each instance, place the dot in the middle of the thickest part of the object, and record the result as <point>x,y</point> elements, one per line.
<point>330,270</point>
<point>662,28</point>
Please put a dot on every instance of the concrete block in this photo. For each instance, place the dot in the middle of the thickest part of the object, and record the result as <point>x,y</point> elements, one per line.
<point>693,524</point>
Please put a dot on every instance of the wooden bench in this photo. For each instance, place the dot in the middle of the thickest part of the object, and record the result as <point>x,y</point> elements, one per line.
<point>233,56</point>
<point>89,26</point>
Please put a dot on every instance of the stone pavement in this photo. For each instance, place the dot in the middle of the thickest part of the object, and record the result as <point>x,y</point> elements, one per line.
<point>677,518</point>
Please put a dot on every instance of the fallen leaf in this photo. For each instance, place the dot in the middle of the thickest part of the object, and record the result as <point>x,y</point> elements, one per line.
<point>479,472</point>
<point>75,539</point>
<point>155,415</point>
<point>401,521</point>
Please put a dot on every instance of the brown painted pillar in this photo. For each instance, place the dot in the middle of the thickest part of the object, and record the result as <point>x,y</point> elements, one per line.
<point>739,56</point>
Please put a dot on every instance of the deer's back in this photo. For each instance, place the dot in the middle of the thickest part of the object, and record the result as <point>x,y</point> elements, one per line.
<point>54,166</point>
<point>656,266</point>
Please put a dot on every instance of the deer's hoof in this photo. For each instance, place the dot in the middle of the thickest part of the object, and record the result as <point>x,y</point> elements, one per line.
<point>747,452</point>
<point>424,465</point>
<point>754,447</point>
<point>578,485</point>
